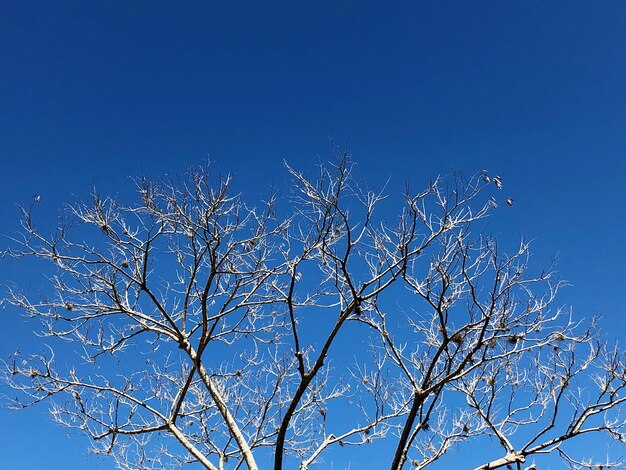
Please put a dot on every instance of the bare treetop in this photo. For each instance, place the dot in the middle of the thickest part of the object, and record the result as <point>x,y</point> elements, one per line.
<point>177,330</point>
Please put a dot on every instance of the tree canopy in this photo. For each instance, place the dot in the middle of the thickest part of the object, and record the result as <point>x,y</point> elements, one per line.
<point>193,326</point>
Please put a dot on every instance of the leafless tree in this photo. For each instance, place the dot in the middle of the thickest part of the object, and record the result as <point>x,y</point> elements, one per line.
<point>192,327</point>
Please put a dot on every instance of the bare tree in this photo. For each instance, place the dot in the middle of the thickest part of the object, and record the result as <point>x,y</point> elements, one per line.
<point>192,327</point>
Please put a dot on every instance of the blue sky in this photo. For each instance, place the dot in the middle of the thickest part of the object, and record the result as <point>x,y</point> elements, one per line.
<point>94,92</point>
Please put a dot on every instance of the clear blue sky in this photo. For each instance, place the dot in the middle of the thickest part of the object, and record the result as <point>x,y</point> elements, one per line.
<point>92,92</point>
